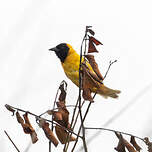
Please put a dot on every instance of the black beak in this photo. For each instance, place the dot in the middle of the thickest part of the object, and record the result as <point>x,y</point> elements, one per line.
<point>54,49</point>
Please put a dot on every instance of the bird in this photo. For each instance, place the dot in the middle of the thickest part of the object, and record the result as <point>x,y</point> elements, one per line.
<point>70,61</point>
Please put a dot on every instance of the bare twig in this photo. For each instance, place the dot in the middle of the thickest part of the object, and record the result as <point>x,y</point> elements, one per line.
<point>83,121</point>
<point>110,63</point>
<point>79,98</point>
<point>11,141</point>
<point>92,128</point>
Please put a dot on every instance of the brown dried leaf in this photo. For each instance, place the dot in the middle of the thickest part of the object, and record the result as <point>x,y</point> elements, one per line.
<point>148,143</point>
<point>48,132</point>
<point>61,104</point>
<point>120,147</point>
<point>91,32</point>
<point>129,147</point>
<point>34,137</point>
<point>94,65</point>
<point>62,96</point>
<point>95,40</point>
<point>91,48</point>
<point>19,118</point>
<point>9,108</point>
<point>65,117</point>
<point>56,115</point>
<point>63,135</point>
<point>134,143</point>
<point>27,127</point>
<point>87,95</point>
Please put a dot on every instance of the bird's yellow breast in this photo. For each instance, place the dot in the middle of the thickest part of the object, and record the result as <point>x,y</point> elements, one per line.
<point>71,66</point>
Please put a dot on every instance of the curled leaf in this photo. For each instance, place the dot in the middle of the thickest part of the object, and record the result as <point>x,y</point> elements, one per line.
<point>92,39</point>
<point>48,132</point>
<point>63,135</point>
<point>64,113</point>
<point>9,108</point>
<point>27,127</point>
<point>94,65</point>
<point>87,95</point>
<point>91,48</point>
<point>129,147</point>
<point>56,115</point>
<point>91,32</point>
<point>148,143</point>
<point>134,143</point>
<point>19,118</point>
<point>120,147</point>
<point>62,96</point>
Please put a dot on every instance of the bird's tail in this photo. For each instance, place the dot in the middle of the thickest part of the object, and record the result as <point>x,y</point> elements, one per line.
<point>107,92</point>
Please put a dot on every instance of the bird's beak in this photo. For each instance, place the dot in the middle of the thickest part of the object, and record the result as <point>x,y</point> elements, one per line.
<point>54,49</point>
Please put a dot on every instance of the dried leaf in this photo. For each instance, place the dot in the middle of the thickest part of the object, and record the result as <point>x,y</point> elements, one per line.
<point>9,108</point>
<point>19,118</point>
<point>120,147</point>
<point>91,32</point>
<point>94,65</point>
<point>129,147</point>
<point>34,137</point>
<point>63,93</point>
<point>48,132</point>
<point>87,95</point>
<point>91,48</point>
<point>148,143</point>
<point>92,39</point>
<point>65,117</point>
<point>27,127</point>
<point>134,143</point>
<point>63,135</point>
<point>61,104</point>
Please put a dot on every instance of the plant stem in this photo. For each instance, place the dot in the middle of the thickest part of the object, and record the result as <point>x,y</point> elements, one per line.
<point>11,141</point>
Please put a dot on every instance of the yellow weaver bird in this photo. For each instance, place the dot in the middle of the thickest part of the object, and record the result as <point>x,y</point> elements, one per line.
<point>70,62</point>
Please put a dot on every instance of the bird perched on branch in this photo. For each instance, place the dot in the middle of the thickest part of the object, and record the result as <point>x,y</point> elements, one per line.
<point>70,62</point>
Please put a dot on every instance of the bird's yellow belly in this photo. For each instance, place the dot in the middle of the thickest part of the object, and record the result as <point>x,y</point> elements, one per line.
<point>72,72</point>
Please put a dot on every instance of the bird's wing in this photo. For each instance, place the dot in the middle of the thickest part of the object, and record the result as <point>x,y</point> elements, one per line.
<point>91,76</point>
<point>91,73</point>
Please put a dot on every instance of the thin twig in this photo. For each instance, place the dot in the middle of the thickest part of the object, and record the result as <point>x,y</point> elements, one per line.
<point>110,63</point>
<point>115,131</point>
<point>83,121</point>
<point>11,141</point>
<point>80,88</point>
<point>52,115</point>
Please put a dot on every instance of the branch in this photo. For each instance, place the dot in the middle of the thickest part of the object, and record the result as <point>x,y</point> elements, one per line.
<point>116,131</point>
<point>11,141</point>
<point>110,63</point>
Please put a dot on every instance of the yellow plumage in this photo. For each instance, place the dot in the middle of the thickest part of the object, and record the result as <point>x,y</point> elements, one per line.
<point>70,64</point>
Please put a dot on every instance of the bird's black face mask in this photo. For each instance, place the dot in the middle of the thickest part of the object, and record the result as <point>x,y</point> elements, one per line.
<point>61,51</point>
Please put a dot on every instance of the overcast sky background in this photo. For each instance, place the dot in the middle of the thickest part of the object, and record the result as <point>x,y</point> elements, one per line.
<point>30,74</point>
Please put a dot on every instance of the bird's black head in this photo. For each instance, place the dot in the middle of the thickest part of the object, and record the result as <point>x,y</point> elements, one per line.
<point>61,51</point>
